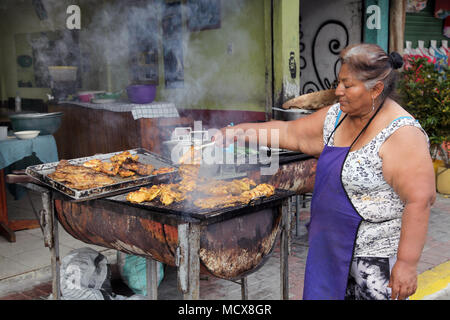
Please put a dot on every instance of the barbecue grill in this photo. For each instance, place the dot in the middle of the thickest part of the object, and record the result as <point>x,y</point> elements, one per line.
<point>229,243</point>
<point>232,242</point>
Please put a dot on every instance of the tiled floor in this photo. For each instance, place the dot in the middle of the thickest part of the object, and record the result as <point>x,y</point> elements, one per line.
<point>28,252</point>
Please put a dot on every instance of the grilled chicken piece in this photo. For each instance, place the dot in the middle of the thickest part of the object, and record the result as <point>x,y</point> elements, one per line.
<point>136,196</point>
<point>144,169</point>
<point>238,186</point>
<point>144,194</point>
<point>65,166</point>
<point>130,165</point>
<point>84,181</point>
<point>234,187</point>
<point>126,173</point>
<point>106,167</point>
<point>163,170</point>
<point>93,164</point>
<point>166,197</point>
<point>79,177</point>
<point>189,171</point>
<point>186,185</point>
<point>211,188</point>
<point>230,200</point>
<point>169,194</point>
<point>218,201</point>
<point>121,157</point>
<point>140,168</point>
<point>152,192</point>
<point>192,156</point>
<point>261,190</point>
<point>110,168</point>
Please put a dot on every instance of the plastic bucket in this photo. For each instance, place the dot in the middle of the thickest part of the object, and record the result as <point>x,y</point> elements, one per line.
<point>142,93</point>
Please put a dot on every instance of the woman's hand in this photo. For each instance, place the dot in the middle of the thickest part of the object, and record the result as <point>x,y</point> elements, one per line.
<point>403,281</point>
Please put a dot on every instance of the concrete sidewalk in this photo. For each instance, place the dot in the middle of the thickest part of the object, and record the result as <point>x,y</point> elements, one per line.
<point>264,284</point>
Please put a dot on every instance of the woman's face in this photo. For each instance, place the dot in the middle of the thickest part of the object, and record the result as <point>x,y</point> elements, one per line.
<point>353,96</point>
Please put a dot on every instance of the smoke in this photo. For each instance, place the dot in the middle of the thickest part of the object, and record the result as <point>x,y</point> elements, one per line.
<point>209,64</point>
<point>213,62</point>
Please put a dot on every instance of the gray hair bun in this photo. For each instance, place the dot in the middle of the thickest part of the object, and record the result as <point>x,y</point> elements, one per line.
<point>396,60</point>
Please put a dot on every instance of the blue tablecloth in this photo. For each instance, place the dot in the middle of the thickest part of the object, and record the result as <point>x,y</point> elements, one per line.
<point>16,154</point>
<point>12,150</point>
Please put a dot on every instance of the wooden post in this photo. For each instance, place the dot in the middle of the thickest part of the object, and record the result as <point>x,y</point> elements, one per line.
<point>397,18</point>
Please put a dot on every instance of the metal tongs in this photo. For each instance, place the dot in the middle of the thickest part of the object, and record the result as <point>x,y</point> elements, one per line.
<point>204,145</point>
<point>201,140</point>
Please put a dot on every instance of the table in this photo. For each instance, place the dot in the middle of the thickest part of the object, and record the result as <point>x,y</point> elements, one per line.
<point>146,126</point>
<point>12,150</point>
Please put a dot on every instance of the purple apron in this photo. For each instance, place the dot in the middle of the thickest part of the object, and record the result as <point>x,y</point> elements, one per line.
<point>333,227</point>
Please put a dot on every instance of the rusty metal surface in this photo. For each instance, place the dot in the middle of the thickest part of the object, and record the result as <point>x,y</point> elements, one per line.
<point>92,223</point>
<point>228,249</point>
<point>236,247</point>
<point>187,209</point>
<point>297,176</point>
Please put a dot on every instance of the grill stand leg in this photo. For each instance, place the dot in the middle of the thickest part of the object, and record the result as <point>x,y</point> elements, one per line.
<point>49,225</point>
<point>297,213</point>
<point>244,289</point>
<point>285,248</point>
<point>188,261</point>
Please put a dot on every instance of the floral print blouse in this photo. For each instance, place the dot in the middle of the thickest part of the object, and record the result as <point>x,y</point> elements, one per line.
<point>373,198</point>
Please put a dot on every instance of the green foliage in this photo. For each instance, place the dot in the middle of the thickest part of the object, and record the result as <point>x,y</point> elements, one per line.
<point>425,93</point>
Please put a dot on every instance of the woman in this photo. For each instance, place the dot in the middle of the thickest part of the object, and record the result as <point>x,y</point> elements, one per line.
<point>374,184</point>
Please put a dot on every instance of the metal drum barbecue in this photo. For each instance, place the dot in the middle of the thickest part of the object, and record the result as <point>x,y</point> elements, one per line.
<point>226,242</point>
<point>233,241</point>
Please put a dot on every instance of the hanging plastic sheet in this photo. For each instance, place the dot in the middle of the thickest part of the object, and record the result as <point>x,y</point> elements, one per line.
<point>413,6</point>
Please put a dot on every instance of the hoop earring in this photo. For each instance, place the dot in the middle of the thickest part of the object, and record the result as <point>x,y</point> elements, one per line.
<point>373,104</point>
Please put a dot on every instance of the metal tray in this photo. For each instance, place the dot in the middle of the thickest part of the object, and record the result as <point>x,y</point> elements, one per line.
<point>185,208</point>
<point>40,172</point>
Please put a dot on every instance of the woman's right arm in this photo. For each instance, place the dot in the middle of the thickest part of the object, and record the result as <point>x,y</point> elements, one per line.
<point>304,134</point>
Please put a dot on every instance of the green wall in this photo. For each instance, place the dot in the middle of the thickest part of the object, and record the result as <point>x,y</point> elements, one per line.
<point>286,42</point>
<point>378,36</point>
<point>223,68</point>
<point>226,66</point>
